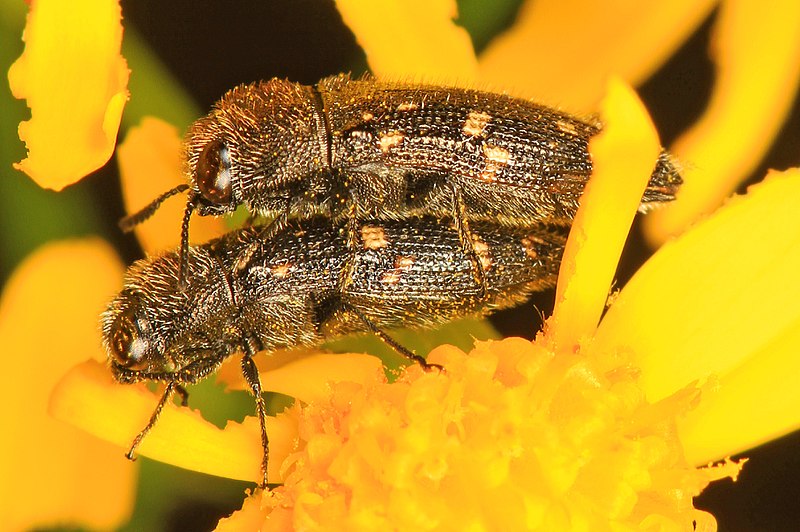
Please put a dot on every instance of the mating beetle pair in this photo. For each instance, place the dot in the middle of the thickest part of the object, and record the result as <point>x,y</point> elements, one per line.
<point>393,204</point>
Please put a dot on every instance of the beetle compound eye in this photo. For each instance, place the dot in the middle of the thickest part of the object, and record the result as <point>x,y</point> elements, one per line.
<point>214,173</point>
<point>127,345</point>
<point>120,345</point>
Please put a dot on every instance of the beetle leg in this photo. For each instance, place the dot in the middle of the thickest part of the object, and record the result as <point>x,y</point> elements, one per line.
<point>465,236</point>
<point>168,391</point>
<point>250,372</point>
<point>391,342</point>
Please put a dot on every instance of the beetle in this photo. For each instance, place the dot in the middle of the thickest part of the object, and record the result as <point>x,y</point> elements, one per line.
<point>357,148</point>
<point>246,293</point>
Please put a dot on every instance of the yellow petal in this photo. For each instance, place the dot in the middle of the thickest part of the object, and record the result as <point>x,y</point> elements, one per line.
<point>563,52</point>
<point>304,374</point>
<point>252,516</point>
<point>406,39</point>
<point>757,51</point>
<point>89,398</point>
<point>710,304</point>
<point>52,473</point>
<point>623,155</point>
<point>150,164</point>
<point>752,404</point>
<point>75,82</point>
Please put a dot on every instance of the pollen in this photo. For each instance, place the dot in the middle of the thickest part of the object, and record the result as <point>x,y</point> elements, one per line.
<point>537,432</point>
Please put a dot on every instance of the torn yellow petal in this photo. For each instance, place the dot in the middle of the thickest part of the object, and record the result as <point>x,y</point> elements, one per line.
<point>757,52</point>
<point>150,164</point>
<point>253,514</point>
<point>562,53</point>
<point>75,81</point>
<point>306,375</point>
<point>89,398</point>
<point>48,321</point>
<point>412,39</point>
<point>754,403</point>
<point>706,305</point>
<point>623,157</point>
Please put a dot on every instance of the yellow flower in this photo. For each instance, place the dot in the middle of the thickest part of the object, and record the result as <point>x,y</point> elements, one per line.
<point>53,473</point>
<point>757,52</point>
<point>75,82</point>
<point>74,79</point>
<point>590,426</point>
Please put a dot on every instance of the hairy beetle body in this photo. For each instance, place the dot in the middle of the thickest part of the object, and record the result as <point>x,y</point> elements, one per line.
<point>247,293</point>
<point>388,150</point>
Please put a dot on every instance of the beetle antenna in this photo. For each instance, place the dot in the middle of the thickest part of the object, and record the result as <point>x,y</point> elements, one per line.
<point>132,220</point>
<point>191,203</point>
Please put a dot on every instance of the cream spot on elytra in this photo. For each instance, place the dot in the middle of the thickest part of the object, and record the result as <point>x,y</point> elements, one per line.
<point>567,127</point>
<point>476,123</point>
<point>373,237</point>
<point>390,140</point>
<point>482,250</point>
<point>401,264</point>
<point>496,158</point>
<point>529,244</point>
<point>281,270</point>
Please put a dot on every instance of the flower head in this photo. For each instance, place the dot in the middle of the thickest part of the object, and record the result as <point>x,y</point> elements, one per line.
<point>511,435</point>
